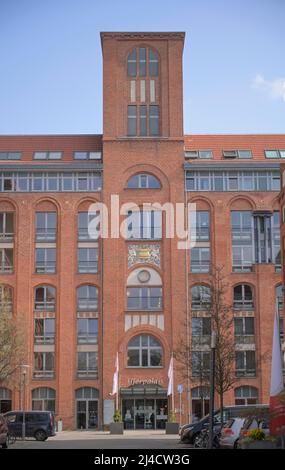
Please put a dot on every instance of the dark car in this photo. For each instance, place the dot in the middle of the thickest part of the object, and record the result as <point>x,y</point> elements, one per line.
<point>38,424</point>
<point>189,432</point>
<point>3,432</point>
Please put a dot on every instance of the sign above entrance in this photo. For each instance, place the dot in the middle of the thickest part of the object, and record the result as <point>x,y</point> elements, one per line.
<point>150,381</point>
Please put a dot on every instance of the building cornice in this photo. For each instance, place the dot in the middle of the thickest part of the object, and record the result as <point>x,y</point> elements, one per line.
<point>232,166</point>
<point>51,167</point>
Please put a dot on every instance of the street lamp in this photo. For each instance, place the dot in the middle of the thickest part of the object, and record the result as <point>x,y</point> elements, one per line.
<point>212,388</point>
<point>23,368</point>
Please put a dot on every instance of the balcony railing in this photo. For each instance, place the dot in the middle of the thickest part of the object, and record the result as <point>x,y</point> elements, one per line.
<point>243,304</point>
<point>87,267</point>
<point>44,339</point>
<point>147,303</point>
<point>87,338</point>
<point>6,236</point>
<point>245,372</point>
<point>245,339</point>
<point>45,306</point>
<point>43,374</point>
<point>45,235</point>
<point>87,373</point>
<point>90,305</point>
<point>6,268</point>
<point>201,340</point>
<point>47,267</point>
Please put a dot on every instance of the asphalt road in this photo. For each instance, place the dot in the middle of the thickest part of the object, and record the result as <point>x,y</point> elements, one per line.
<point>77,440</point>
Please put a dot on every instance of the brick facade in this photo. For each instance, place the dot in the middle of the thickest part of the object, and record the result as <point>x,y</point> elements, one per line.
<point>123,157</point>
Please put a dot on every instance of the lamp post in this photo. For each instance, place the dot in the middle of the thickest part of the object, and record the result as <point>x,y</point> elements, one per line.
<point>212,389</point>
<point>23,368</point>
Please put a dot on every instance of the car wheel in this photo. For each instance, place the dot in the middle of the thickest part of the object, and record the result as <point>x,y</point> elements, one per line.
<point>40,435</point>
<point>4,445</point>
<point>195,440</point>
<point>236,444</point>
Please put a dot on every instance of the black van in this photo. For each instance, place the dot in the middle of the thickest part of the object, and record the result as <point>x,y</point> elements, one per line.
<point>38,424</point>
<point>189,432</point>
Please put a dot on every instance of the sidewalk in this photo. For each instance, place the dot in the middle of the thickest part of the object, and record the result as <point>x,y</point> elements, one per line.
<point>86,435</point>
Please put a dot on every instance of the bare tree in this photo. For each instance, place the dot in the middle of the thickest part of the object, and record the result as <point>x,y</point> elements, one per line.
<point>12,338</point>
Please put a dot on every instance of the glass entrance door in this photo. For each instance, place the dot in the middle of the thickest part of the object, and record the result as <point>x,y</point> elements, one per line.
<point>87,414</point>
<point>144,413</point>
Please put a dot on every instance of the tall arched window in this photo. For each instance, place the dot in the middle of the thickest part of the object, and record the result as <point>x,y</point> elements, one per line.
<point>45,298</point>
<point>243,297</point>
<point>143,107</point>
<point>87,298</point>
<point>144,351</point>
<point>143,181</point>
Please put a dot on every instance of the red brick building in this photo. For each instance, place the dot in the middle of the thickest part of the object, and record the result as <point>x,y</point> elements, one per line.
<point>85,299</point>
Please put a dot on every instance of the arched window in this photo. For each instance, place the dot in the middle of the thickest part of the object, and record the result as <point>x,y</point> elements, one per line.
<point>87,298</point>
<point>142,62</point>
<point>246,395</point>
<point>45,298</point>
<point>144,100</point>
<point>6,298</point>
<point>144,351</point>
<point>243,297</point>
<point>86,393</point>
<point>43,399</point>
<point>143,181</point>
<point>200,297</point>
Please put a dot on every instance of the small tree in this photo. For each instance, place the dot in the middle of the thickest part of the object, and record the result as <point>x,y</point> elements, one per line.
<point>12,338</point>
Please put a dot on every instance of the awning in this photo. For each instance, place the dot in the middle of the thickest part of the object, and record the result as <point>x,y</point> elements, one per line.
<point>149,391</point>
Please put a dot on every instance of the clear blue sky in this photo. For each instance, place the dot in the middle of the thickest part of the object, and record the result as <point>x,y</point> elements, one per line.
<point>51,65</point>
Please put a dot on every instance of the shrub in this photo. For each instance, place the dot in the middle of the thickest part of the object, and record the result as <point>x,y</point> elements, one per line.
<point>256,435</point>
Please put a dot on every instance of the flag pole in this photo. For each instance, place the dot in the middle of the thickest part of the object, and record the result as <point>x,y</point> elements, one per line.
<point>172,391</point>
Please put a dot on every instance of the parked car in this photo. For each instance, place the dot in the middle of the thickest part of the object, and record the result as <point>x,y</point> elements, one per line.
<point>189,432</point>
<point>3,432</point>
<point>230,433</point>
<point>38,424</point>
<point>255,423</point>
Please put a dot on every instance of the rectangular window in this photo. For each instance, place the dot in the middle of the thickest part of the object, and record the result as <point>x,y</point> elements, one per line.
<point>44,332</point>
<point>242,240</point>
<point>10,155</point>
<point>43,364</point>
<point>232,181</point>
<point>87,330</point>
<point>46,260</point>
<point>201,331</point>
<point>199,226</point>
<point>244,330</point>
<point>200,364</point>
<point>6,226</point>
<point>154,120</point>
<point>132,120</point>
<point>6,260</point>
<point>145,225</point>
<point>87,260</point>
<point>245,364</point>
<point>45,226</point>
<point>153,63</point>
<point>152,91</point>
<point>200,260</point>
<point>202,154</point>
<point>47,155</point>
<point>87,155</point>
<point>143,121</point>
<point>133,90</point>
<point>272,154</point>
<point>144,298</point>
<point>142,91</point>
<point>87,364</point>
<point>88,225</point>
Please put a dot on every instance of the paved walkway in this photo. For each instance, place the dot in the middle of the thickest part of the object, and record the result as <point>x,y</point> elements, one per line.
<point>86,435</point>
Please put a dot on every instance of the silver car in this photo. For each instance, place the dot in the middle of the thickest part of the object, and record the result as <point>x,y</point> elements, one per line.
<point>230,433</point>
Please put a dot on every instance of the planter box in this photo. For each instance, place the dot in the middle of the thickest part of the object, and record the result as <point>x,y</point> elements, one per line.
<point>172,428</point>
<point>258,445</point>
<point>116,428</point>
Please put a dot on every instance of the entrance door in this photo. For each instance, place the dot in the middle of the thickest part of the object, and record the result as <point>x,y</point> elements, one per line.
<point>144,413</point>
<point>5,406</point>
<point>87,414</point>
